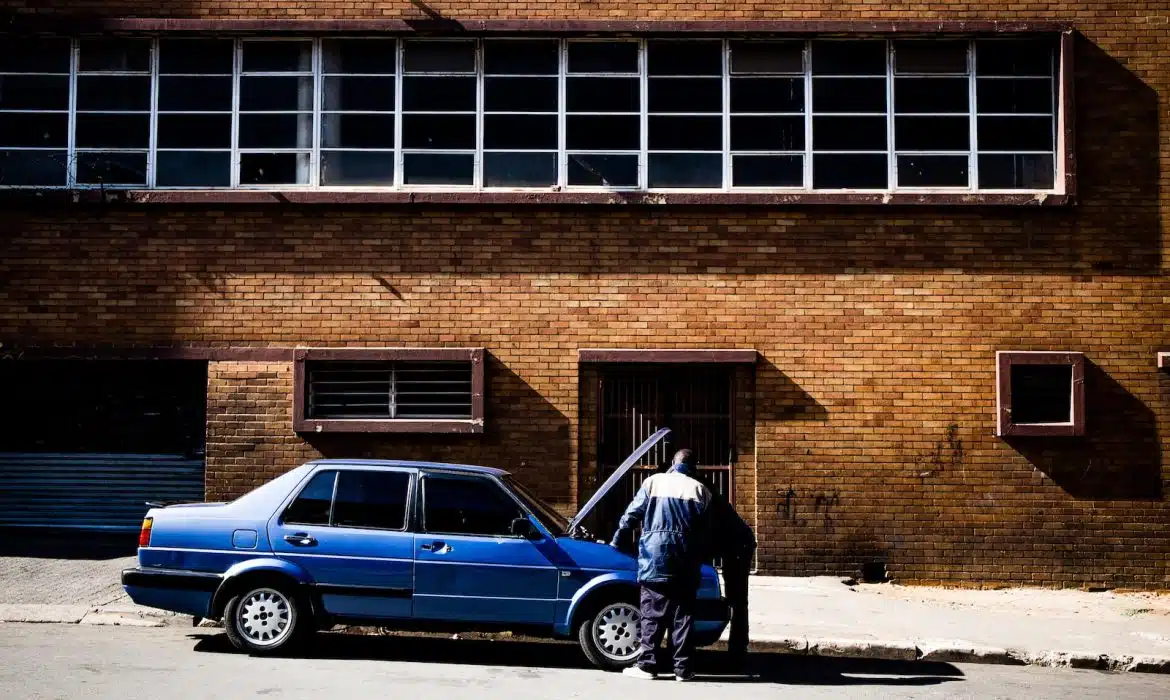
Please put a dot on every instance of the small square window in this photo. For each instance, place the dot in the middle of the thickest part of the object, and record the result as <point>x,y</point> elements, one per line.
<point>1041,393</point>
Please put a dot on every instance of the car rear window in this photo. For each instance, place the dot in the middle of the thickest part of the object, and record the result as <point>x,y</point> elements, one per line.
<point>371,499</point>
<point>311,506</point>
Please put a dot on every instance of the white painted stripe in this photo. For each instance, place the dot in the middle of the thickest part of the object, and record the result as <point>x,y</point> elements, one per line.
<point>483,597</point>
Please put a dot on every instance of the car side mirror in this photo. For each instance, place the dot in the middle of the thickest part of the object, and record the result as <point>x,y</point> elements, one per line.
<point>523,527</point>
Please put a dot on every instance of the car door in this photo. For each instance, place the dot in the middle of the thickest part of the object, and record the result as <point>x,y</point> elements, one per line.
<point>348,529</point>
<point>468,565</point>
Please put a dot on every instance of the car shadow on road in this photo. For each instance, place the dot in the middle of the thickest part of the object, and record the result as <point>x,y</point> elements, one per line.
<point>764,667</point>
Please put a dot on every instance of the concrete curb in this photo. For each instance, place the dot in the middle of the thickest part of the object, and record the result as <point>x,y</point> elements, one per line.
<point>117,614</point>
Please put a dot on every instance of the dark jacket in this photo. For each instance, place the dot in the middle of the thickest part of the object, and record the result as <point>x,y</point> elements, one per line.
<point>731,537</point>
<point>673,510</point>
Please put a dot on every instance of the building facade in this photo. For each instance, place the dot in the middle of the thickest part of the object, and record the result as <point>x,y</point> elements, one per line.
<point>897,273</point>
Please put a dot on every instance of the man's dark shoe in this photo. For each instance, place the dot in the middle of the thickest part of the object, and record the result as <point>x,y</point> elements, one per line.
<point>684,676</point>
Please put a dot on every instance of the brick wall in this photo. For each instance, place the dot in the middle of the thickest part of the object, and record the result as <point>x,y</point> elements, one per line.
<point>877,327</point>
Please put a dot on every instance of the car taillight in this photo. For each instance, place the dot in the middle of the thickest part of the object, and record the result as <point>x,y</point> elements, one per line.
<point>144,535</point>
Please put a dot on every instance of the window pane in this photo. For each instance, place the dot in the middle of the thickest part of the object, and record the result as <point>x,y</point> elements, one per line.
<point>113,130</point>
<point>1015,133</point>
<point>767,95</point>
<point>440,56</point>
<point>685,170</point>
<point>686,95</point>
<point>767,171</point>
<point>603,94</point>
<point>932,171</point>
<point>520,94</point>
<point>277,57</point>
<point>930,56</point>
<point>1015,172</point>
<point>34,92</point>
<point>34,130</point>
<point>603,133</point>
<point>849,133</point>
<point>684,57</point>
<point>274,168</point>
<point>438,168</point>
<point>200,56</point>
<point>521,131</point>
<point>276,94</point>
<point>467,507</point>
<point>1041,393</point>
<point>34,55</point>
<point>767,57</point>
<point>362,168</point>
<point>357,131</point>
<point>311,506</point>
<point>367,56</point>
<point>438,94</point>
<point>371,499</point>
<point>849,57</point>
<point>849,95</point>
<point>33,168</point>
<point>686,133</point>
<point>849,171</point>
<point>121,55</point>
<point>932,133</point>
<point>1033,95</point>
<point>1015,57</point>
<point>276,131</point>
<point>195,131</point>
<point>605,170</point>
<point>519,169</point>
<point>539,57</point>
<point>359,94</point>
<point>193,169</point>
<point>195,94</point>
<point>441,131</point>
<point>767,133</point>
<point>111,168</point>
<point>938,95</point>
<point>603,57</point>
<point>113,93</point>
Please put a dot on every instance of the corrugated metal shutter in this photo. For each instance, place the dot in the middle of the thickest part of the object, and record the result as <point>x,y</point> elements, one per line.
<point>98,491</point>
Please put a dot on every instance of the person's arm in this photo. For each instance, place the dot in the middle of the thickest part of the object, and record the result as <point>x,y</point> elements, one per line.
<point>633,516</point>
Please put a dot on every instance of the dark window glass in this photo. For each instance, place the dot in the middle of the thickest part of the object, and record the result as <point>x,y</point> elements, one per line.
<point>603,133</point>
<point>113,130</point>
<point>311,506</point>
<point>113,93</point>
<point>932,171</point>
<point>33,168</point>
<point>1004,171</point>
<point>34,92</point>
<point>686,133</point>
<point>111,168</point>
<point>276,131</point>
<point>930,56</point>
<point>767,57</point>
<point>849,57</point>
<point>1041,394</point>
<point>1015,57</point>
<point>195,94</point>
<point>457,506</point>
<point>277,57</point>
<point>604,170</point>
<point>767,171</point>
<point>438,168</point>
<point>1015,133</point>
<point>444,94</point>
<point>685,170</point>
<point>193,169</point>
<point>603,94</point>
<point>34,130</point>
<point>365,56</point>
<point>34,55</point>
<point>119,55</point>
<point>274,168</point>
<point>937,95</point>
<point>686,95</point>
<point>833,171</point>
<point>849,95</point>
<point>1012,96</point>
<point>509,57</point>
<point>363,168</point>
<point>603,57</point>
<point>522,131</point>
<point>276,94</point>
<point>359,94</point>
<point>195,131</point>
<point>357,131</point>
<point>520,94</point>
<point>440,57</point>
<point>849,133</point>
<point>519,169</point>
<point>767,133</point>
<point>438,131</point>
<point>432,390</point>
<point>371,499</point>
<point>684,58</point>
<point>767,94</point>
<point>198,56</point>
<point>932,133</point>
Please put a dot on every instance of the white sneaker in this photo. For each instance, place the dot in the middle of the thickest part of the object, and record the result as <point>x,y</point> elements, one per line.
<point>635,672</point>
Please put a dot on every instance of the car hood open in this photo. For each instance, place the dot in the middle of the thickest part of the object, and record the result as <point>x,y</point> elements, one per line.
<point>635,456</point>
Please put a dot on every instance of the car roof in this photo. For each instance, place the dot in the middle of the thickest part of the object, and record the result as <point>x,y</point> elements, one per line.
<point>399,463</point>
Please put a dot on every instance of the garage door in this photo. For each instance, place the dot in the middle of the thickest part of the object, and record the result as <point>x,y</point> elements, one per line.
<point>87,444</point>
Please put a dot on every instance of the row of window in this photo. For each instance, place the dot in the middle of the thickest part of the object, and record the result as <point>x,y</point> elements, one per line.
<point>529,113</point>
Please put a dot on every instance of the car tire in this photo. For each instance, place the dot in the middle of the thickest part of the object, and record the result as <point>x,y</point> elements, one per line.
<point>609,634</point>
<point>266,619</point>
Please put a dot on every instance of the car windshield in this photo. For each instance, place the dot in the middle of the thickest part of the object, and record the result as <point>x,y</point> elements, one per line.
<point>554,521</point>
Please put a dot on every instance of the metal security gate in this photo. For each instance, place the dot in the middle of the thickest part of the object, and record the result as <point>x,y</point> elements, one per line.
<point>87,443</point>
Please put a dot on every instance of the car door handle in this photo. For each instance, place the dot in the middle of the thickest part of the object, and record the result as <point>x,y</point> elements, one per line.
<point>435,547</point>
<point>300,539</point>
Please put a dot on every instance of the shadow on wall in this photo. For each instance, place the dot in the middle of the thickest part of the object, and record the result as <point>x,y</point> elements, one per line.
<point>518,420</point>
<point>778,398</point>
<point>1119,457</point>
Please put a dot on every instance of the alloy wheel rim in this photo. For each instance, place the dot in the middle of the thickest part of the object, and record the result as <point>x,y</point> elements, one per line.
<point>264,617</point>
<point>615,632</point>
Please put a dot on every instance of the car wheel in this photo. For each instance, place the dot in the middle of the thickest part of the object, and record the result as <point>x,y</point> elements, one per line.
<point>264,620</point>
<point>609,637</point>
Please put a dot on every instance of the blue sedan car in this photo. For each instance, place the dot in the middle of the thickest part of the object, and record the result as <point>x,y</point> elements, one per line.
<point>404,545</point>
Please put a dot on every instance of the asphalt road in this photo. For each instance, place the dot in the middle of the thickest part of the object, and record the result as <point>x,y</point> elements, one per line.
<point>81,661</point>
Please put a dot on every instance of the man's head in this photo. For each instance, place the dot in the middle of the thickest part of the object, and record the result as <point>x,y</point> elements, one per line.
<point>684,462</point>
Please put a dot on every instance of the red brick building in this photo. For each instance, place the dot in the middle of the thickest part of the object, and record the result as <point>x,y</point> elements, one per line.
<point>898,273</point>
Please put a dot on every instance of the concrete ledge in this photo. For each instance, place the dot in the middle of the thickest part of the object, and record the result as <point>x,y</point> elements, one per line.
<point>863,649</point>
<point>68,614</point>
